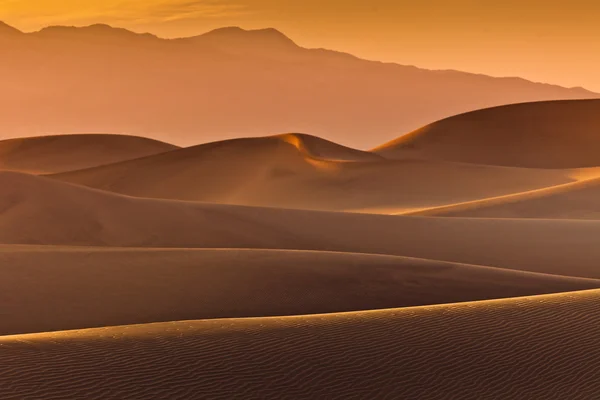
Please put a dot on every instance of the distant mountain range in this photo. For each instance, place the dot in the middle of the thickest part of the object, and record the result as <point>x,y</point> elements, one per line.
<point>228,83</point>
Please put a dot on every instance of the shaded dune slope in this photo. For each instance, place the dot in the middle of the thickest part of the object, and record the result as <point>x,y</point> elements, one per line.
<point>301,171</point>
<point>52,289</point>
<point>555,134</point>
<point>53,154</point>
<point>238,301</point>
<point>542,347</point>
<point>579,200</point>
<point>39,210</point>
<point>213,171</point>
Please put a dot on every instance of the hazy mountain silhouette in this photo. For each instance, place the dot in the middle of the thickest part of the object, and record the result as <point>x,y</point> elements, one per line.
<point>228,83</point>
<point>6,29</point>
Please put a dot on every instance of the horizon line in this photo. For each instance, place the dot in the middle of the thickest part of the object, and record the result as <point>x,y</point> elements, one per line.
<point>280,32</point>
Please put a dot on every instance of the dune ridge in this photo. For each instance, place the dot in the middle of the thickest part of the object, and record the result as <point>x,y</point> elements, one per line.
<point>57,288</point>
<point>578,200</point>
<point>324,149</point>
<point>515,147</point>
<point>61,153</point>
<point>566,201</point>
<point>458,262</point>
<point>39,210</point>
<point>532,347</point>
<point>550,134</point>
<point>306,172</point>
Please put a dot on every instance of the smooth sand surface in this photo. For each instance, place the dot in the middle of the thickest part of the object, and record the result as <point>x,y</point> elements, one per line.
<point>466,269</point>
<point>543,347</point>
<point>59,288</point>
<point>53,154</point>
<point>579,200</point>
<point>555,134</point>
<point>319,148</point>
<point>39,210</point>
<point>301,171</point>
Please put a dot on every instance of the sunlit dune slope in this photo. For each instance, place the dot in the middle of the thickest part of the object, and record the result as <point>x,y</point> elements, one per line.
<point>579,200</point>
<point>542,347</point>
<point>556,134</point>
<point>302,171</point>
<point>52,154</point>
<point>56,288</point>
<point>36,210</point>
<point>319,148</point>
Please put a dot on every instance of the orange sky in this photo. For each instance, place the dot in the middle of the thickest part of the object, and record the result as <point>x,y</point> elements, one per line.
<point>552,41</point>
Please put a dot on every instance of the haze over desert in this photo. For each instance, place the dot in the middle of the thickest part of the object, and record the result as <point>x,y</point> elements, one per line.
<point>228,83</point>
<point>233,216</point>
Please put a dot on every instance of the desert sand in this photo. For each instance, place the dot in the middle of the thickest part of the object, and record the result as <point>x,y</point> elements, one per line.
<point>577,200</point>
<point>39,210</point>
<point>552,134</point>
<point>305,172</point>
<point>458,262</point>
<point>543,347</point>
<point>61,153</point>
<point>60,288</point>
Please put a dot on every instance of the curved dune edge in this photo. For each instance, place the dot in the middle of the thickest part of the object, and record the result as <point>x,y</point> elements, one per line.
<point>570,201</point>
<point>319,148</point>
<point>58,288</point>
<point>531,347</point>
<point>319,319</point>
<point>546,134</point>
<point>62,153</point>
<point>306,172</point>
<point>43,211</point>
<point>460,208</point>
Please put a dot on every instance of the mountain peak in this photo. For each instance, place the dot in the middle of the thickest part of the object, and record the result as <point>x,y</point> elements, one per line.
<point>7,29</point>
<point>268,37</point>
<point>92,30</point>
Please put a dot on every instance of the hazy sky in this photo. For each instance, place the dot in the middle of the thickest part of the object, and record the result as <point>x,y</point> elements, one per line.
<point>554,41</point>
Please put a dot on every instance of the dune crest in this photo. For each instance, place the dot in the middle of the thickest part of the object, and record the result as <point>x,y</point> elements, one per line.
<point>554,134</point>
<point>37,210</point>
<point>194,291</point>
<point>60,153</point>
<point>306,172</point>
<point>458,261</point>
<point>577,200</point>
<point>75,288</point>
<point>533,347</point>
<point>317,147</point>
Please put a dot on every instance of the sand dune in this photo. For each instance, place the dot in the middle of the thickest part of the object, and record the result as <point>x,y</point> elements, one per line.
<point>317,147</point>
<point>38,210</point>
<point>56,288</point>
<point>578,200</point>
<point>289,266</point>
<point>53,154</point>
<point>198,293</point>
<point>543,347</point>
<point>556,134</point>
<point>302,171</point>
